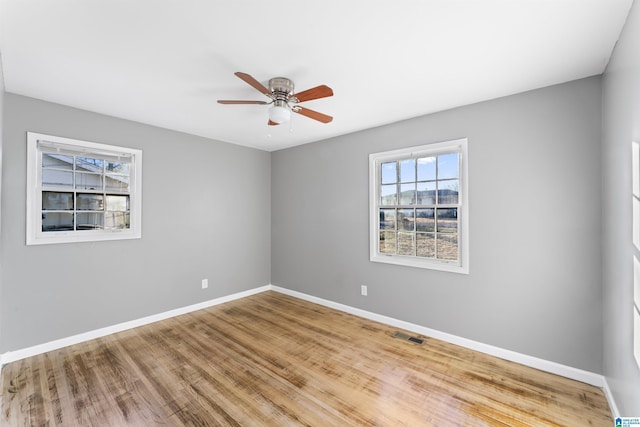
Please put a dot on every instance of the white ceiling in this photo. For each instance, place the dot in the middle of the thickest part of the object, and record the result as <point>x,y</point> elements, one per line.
<point>166,62</point>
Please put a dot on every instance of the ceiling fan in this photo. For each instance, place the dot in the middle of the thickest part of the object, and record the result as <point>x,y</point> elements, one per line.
<point>282,97</point>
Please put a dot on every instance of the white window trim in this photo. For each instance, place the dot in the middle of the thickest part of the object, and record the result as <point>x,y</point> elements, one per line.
<point>375,160</point>
<point>635,238</point>
<point>34,233</point>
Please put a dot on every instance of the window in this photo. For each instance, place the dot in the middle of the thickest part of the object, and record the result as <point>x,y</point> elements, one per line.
<point>418,206</point>
<point>80,191</point>
<point>635,238</point>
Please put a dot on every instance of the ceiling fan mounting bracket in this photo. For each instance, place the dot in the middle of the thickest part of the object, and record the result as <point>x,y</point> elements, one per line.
<point>281,87</point>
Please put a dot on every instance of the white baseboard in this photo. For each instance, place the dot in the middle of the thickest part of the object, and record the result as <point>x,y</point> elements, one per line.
<point>587,377</point>
<point>534,362</point>
<point>612,403</point>
<point>12,356</point>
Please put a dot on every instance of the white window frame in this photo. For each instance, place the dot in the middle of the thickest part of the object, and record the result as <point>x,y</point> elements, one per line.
<point>375,160</point>
<point>635,238</point>
<point>34,233</point>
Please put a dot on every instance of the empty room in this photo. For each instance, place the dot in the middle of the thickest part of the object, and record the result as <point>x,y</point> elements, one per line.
<point>409,213</point>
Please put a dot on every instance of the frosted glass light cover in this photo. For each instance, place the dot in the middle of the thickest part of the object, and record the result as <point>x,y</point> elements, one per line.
<point>279,114</point>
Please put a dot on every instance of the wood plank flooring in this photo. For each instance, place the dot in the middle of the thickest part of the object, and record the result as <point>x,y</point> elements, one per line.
<point>273,360</point>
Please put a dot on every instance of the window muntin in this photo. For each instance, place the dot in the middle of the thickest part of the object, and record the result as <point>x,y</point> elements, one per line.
<point>90,193</point>
<point>418,206</point>
<point>81,191</point>
<point>423,196</point>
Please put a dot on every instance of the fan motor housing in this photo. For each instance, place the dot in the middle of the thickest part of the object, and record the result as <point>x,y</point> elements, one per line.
<point>281,86</point>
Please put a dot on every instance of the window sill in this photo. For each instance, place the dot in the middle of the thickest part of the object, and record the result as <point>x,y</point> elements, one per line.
<point>420,263</point>
<point>85,236</point>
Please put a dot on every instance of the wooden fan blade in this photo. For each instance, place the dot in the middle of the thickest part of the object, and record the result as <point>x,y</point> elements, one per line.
<point>317,92</point>
<point>226,101</point>
<point>312,114</point>
<point>272,123</point>
<point>253,82</point>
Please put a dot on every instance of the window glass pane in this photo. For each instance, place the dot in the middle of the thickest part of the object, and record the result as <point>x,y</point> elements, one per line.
<point>426,194</point>
<point>57,161</point>
<point>635,168</point>
<point>90,202</point>
<point>88,181</point>
<point>389,174</point>
<point>406,220</point>
<point>117,183</point>
<point>427,169</point>
<point>388,194</point>
<point>117,167</point>
<point>636,335</point>
<point>448,166</point>
<point>116,220</point>
<point>89,220</point>
<point>387,219</point>
<point>447,246</point>
<point>406,244</point>
<point>89,164</point>
<point>636,281</point>
<point>425,220</point>
<point>118,203</point>
<point>447,220</point>
<point>56,201</point>
<point>407,194</point>
<point>388,242</point>
<point>635,225</point>
<point>448,192</point>
<point>407,170</point>
<point>420,204</point>
<point>426,245</point>
<point>56,178</point>
<point>57,221</point>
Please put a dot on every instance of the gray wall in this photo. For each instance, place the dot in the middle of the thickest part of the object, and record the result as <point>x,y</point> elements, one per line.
<point>535,262</point>
<point>621,126</point>
<point>205,214</point>
<point>212,210</point>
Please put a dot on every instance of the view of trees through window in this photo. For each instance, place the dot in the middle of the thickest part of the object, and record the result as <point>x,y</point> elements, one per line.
<point>418,207</point>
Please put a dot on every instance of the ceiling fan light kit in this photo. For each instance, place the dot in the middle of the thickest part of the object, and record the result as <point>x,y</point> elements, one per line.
<point>281,92</point>
<point>279,113</point>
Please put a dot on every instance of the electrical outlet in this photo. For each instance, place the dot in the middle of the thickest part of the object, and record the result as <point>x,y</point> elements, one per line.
<point>363,290</point>
<point>205,283</point>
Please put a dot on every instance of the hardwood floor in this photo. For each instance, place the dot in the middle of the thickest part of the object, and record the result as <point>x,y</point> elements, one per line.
<point>270,359</point>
